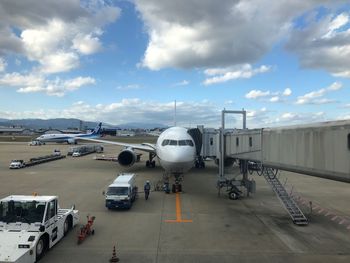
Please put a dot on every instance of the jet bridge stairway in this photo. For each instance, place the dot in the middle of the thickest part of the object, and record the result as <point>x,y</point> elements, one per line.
<point>291,206</point>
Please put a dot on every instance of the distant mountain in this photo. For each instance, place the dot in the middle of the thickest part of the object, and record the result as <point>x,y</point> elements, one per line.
<point>62,124</point>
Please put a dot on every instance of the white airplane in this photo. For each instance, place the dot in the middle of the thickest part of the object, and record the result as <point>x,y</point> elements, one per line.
<point>175,150</point>
<point>69,138</point>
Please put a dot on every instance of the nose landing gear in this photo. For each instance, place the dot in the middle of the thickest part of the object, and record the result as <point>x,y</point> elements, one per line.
<point>177,187</point>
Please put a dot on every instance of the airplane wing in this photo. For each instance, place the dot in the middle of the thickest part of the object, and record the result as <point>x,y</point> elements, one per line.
<point>146,147</point>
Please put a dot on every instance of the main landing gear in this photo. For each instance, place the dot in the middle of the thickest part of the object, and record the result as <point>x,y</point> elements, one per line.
<point>150,163</point>
<point>199,162</point>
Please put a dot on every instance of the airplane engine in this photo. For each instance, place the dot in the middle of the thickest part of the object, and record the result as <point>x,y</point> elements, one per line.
<point>127,157</point>
<point>71,141</point>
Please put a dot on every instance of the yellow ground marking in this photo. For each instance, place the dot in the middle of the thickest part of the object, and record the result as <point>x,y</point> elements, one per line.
<point>178,213</point>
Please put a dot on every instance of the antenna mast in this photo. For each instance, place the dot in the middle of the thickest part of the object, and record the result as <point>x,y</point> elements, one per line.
<point>175,114</point>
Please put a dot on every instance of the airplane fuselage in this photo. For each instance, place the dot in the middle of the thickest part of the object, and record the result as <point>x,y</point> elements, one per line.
<point>61,138</point>
<point>176,150</point>
<point>68,137</point>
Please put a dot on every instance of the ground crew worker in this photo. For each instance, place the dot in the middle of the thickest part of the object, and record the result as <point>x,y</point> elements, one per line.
<point>147,189</point>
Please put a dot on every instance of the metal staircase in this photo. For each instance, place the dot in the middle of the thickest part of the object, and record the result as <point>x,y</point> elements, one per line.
<point>291,206</point>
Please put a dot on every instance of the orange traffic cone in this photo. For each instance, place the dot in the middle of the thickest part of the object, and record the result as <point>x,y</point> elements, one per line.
<point>114,256</point>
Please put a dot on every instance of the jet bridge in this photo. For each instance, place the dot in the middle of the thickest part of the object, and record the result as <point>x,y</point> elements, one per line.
<point>320,149</point>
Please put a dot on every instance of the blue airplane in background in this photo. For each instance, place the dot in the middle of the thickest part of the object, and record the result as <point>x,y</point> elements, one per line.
<point>70,138</point>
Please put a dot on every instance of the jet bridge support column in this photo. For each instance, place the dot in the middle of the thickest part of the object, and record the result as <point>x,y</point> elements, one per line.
<point>222,142</point>
<point>232,184</point>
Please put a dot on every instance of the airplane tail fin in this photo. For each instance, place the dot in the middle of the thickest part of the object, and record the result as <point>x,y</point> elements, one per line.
<point>97,130</point>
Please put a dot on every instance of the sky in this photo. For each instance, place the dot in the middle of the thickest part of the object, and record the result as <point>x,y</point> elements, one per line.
<point>284,62</point>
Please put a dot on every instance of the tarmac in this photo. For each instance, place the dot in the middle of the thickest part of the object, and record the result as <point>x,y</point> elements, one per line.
<point>215,228</point>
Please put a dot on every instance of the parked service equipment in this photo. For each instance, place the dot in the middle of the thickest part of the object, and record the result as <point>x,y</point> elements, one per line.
<point>86,230</point>
<point>35,143</point>
<point>56,152</point>
<point>122,192</point>
<point>30,225</point>
<point>17,164</point>
<point>85,149</point>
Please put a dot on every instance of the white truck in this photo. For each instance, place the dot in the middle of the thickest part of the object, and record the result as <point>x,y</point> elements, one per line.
<point>30,225</point>
<point>122,192</point>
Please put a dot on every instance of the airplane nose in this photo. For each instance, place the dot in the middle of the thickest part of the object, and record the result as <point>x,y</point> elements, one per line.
<point>180,156</point>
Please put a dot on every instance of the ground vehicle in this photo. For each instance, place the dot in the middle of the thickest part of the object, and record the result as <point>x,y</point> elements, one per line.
<point>85,149</point>
<point>16,164</point>
<point>56,152</point>
<point>122,192</point>
<point>35,143</point>
<point>76,154</point>
<point>29,225</point>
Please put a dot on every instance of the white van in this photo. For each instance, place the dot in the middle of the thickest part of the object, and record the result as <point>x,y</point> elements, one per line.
<point>122,192</point>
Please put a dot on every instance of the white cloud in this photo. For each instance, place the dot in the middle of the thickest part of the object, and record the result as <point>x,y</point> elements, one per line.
<point>254,94</point>
<point>269,95</point>
<point>287,92</point>
<point>59,62</point>
<point>182,83</point>
<point>129,87</point>
<point>202,34</point>
<point>188,113</point>
<point>37,83</point>
<point>245,71</point>
<point>290,118</point>
<point>78,82</point>
<point>54,35</point>
<point>343,117</point>
<point>324,44</point>
<point>16,80</point>
<point>336,23</point>
<point>86,44</point>
<point>316,97</point>
<point>275,99</point>
<point>3,64</point>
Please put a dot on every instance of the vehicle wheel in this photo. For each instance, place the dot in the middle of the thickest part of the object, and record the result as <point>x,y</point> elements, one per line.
<point>233,196</point>
<point>147,164</point>
<point>66,226</point>
<point>40,248</point>
<point>153,164</point>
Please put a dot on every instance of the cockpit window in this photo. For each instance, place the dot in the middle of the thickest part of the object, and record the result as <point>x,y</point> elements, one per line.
<point>180,142</point>
<point>165,142</point>
<point>189,142</point>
